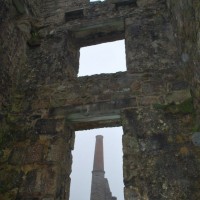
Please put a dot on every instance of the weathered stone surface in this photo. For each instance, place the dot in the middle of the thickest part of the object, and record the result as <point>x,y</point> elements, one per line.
<point>196,139</point>
<point>17,156</point>
<point>155,149</point>
<point>26,155</point>
<point>34,153</point>
<point>10,178</point>
<point>48,126</point>
<point>19,5</point>
<point>4,155</point>
<point>121,88</point>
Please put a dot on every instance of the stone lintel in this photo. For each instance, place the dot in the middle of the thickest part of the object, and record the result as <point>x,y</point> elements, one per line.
<point>100,114</point>
<point>78,126</point>
<point>119,3</point>
<point>74,14</point>
<point>101,31</point>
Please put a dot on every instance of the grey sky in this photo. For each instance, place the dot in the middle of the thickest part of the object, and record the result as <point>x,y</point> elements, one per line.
<point>83,156</point>
<point>103,58</point>
<point>96,0</point>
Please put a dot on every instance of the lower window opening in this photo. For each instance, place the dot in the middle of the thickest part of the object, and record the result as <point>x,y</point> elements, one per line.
<point>84,170</point>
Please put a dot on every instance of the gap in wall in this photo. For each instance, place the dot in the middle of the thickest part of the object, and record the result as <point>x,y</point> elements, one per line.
<point>107,57</point>
<point>96,0</point>
<point>83,156</point>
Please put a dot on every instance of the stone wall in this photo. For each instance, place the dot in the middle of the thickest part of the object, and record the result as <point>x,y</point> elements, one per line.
<point>185,19</point>
<point>157,147</point>
<point>42,102</point>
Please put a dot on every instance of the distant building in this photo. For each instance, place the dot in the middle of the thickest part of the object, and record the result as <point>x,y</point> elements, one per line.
<point>100,189</point>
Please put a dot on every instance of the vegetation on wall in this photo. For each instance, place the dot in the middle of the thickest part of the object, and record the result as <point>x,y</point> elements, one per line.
<point>186,107</point>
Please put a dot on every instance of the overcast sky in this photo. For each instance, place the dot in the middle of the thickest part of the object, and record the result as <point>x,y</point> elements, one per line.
<point>97,59</point>
<point>103,58</point>
<point>83,157</point>
<point>96,0</point>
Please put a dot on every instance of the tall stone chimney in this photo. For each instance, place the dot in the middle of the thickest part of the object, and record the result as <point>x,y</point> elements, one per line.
<point>98,155</point>
<point>100,189</point>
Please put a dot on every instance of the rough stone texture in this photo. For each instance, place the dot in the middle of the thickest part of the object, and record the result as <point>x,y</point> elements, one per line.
<point>156,101</point>
<point>157,147</point>
<point>185,18</point>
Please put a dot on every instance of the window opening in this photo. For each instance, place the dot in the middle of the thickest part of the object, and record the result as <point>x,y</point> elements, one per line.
<point>103,58</point>
<point>83,157</point>
<point>96,0</point>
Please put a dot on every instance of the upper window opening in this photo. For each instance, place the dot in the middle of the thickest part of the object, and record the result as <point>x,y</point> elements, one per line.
<point>103,58</point>
<point>96,0</point>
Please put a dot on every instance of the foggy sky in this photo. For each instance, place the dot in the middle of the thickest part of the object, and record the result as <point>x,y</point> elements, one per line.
<point>104,58</point>
<point>96,0</point>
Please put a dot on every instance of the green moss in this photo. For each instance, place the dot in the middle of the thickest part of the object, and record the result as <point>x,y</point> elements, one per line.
<point>196,128</point>
<point>159,106</point>
<point>185,107</point>
<point>35,39</point>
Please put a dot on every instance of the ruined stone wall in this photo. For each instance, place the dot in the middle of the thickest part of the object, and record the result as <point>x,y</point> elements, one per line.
<point>42,102</point>
<point>30,159</point>
<point>174,128</point>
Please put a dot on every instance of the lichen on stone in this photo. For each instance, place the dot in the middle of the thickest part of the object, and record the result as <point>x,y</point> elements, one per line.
<point>186,107</point>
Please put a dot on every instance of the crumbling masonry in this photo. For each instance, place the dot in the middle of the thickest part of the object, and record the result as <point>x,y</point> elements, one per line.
<point>157,100</point>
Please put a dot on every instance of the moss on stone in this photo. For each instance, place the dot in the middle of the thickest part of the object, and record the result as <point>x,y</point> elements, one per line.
<point>35,39</point>
<point>185,107</point>
<point>159,106</point>
<point>196,128</point>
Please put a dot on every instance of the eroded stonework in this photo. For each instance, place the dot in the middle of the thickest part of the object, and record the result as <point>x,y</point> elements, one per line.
<point>42,101</point>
